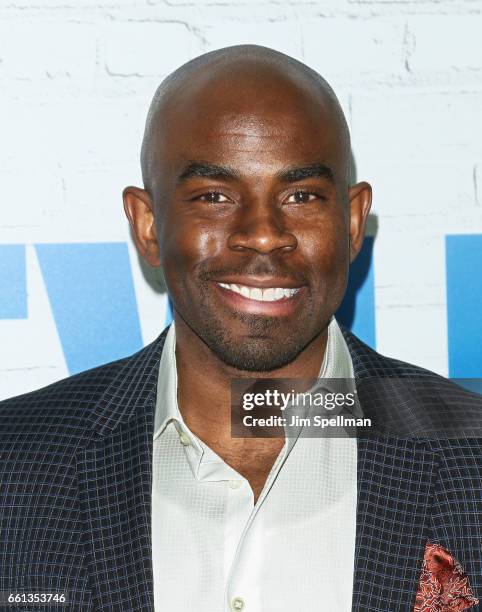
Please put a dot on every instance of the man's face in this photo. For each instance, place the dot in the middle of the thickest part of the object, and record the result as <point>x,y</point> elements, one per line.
<point>253,221</point>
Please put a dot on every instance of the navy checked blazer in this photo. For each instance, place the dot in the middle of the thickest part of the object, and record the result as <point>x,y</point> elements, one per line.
<point>76,474</point>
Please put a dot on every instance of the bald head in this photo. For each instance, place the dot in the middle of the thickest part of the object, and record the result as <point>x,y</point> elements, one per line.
<point>243,80</point>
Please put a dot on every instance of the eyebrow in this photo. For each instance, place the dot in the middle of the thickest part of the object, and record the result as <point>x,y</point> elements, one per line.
<point>291,174</point>
<point>299,173</point>
<point>207,170</point>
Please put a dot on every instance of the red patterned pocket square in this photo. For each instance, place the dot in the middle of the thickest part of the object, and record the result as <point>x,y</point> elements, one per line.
<point>443,585</point>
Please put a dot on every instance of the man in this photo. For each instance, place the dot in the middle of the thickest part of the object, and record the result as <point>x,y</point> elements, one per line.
<point>123,487</point>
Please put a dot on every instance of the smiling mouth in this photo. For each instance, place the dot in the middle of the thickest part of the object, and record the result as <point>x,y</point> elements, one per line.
<point>258,294</point>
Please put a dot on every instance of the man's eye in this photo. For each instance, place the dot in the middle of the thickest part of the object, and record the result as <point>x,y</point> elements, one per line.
<point>302,197</point>
<point>213,197</point>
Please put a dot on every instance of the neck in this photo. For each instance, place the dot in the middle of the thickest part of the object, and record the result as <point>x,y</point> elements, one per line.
<point>204,381</point>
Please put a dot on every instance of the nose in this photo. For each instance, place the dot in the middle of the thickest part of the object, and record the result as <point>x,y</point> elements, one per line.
<point>260,228</point>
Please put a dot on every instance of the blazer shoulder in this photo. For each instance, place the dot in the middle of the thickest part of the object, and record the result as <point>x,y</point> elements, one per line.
<point>62,406</point>
<point>408,400</point>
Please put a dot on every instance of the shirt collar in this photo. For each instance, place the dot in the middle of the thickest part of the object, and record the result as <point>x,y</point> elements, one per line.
<point>167,408</point>
<point>205,464</point>
<point>337,361</point>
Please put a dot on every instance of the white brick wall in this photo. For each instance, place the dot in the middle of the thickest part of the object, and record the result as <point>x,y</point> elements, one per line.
<point>446,42</point>
<point>77,76</point>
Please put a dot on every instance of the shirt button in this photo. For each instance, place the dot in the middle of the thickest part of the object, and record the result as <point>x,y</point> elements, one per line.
<point>235,484</point>
<point>184,438</point>
<point>237,604</point>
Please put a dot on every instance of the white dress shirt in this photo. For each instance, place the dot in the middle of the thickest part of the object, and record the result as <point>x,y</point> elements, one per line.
<point>214,550</point>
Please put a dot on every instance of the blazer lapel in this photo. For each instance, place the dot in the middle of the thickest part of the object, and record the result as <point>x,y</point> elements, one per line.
<point>395,481</point>
<point>115,480</point>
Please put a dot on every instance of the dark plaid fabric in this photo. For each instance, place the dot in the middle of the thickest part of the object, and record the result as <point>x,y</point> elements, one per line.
<point>76,474</point>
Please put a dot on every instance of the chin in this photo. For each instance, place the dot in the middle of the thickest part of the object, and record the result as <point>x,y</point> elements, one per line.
<point>259,356</point>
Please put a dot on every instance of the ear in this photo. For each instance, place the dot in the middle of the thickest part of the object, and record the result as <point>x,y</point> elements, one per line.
<point>139,209</point>
<point>360,198</point>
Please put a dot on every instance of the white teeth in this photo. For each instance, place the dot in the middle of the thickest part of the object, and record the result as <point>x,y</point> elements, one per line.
<point>270,294</point>
<point>256,294</point>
